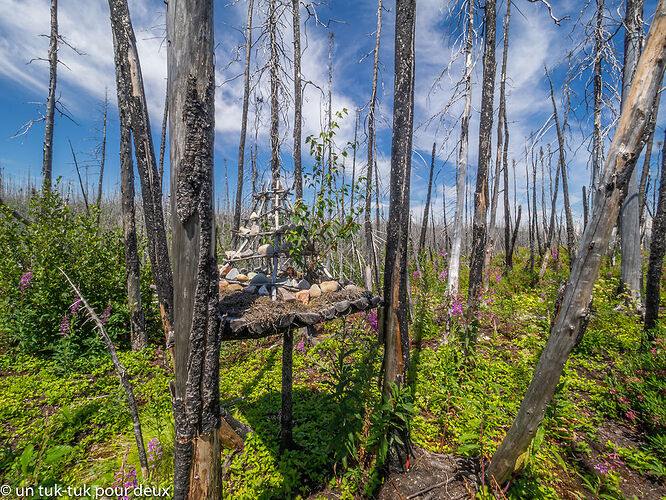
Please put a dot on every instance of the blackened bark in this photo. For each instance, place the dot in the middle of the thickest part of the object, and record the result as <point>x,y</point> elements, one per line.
<point>585,208</point>
<point>243,133</point>
<point>508,251</point>
<point>657,252</point>
<point>275,112</point>
<point>646,163</point>
<point>165,119</point>
<point>103,159</point>
<point>49,118</point>
<point>573,313</point>
<point>395,319</point>
<point>132,268</point>
<point>298,101</point>
<point>131,96</point>
<point>426,210</point>
<point>485,131</point>
<point>597,143</point>
<point>286,419</point>
<point>195,392</point>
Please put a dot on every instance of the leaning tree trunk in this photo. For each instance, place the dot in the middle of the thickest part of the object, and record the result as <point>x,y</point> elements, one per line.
<point>47,163</point>
<point>657,251</point>
<point>453,279</point>
<point>132,268</point>
<point>195,393</point>
<point>369,241</point>
<point>479,227</point>
<point>395,318</point>
<point>128,74</point>
<point>426,210</point>
<point>572,315</point>
<point>298,101</point>
<point>246,100</point>
<point>630,233</point>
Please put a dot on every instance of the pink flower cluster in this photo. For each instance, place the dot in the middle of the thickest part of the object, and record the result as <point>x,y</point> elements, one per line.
<point>66,321</point>
<point>24,283</point>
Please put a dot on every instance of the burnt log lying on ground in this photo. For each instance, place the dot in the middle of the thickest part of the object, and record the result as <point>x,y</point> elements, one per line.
<point>251,317</point>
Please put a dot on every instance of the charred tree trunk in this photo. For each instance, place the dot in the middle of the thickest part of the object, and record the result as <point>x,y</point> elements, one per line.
<point>646,164</point>
<point>479,234</point>
<point>395,318</point>
<point>132,269</point>
<point>597,141</point>
<point>372,264</point>
<point>49,118</point>
<point>630,235</point>
<point>103,159</point>
<point>131,95</point>
<point>298,101</point>
<point>585,209</point>
<point>570,319</point>
<point>657,252</point>
<point>426,210</point>
<point>501,116</point>
<point>508,250</point>
<point>275,112</point>
<point>195,392</point>
<point>243,133</point>
<point>165,118</point>
<point>453,280</point>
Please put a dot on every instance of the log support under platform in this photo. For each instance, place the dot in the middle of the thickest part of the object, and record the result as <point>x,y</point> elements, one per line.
<point>286,418</point>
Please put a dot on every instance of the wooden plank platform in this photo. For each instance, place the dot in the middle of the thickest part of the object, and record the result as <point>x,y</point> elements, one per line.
<point>240,328</point>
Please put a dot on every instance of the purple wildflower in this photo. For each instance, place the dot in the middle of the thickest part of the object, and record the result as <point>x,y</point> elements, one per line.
<point>301,347</point>
<point>154,452</point>
<point>74,308</point>
<point>602,468</point>
<point>104,318</point>
<point>24,283</point>
<point>65,326</point>
<point>371,318</point>
<point>456,308</point>
<point>416,273</point>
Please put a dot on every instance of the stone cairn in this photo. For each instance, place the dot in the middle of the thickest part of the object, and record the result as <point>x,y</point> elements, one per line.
<point>254,268</point>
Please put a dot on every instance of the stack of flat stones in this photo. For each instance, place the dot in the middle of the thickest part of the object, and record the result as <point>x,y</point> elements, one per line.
<point>259,282</point>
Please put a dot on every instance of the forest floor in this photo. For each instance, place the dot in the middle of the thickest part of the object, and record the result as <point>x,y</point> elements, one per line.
<point>603,436</point>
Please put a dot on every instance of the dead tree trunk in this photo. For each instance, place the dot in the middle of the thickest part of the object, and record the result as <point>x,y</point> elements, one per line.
<point>195,393</point>
<point>131,95</point>
<point>571,243</point>
<point>508,250</point>
<point>571,317</point>
<point>103,159</point>
<point>132,268</point>
<point>501,117</point>
<point>479,234</point>
<point>453,280</point>
<point>49,117</point>
<point>371,264</point>
<point>646,164</point>
<point>298,101</point>
<point>275,112</point>
<point>165,118</point>
<point>426,210</point>
<point>243,133</point>
<point>395,319</point>
<point>630,234</point>
<point>657,252</point>
<point>597,142</point>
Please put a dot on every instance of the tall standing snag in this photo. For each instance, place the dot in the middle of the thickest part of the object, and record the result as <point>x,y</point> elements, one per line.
<point>572,314</point>
<point>47,164</point>
<point>195,392</point>
<point>395,321</point>
<point>479,227</point>
<point>132,99</point>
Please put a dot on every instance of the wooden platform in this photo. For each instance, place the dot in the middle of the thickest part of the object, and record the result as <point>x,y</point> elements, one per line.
<point>251,317</point>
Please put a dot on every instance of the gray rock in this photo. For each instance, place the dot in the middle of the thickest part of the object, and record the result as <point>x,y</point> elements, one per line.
<point>303,285</point>
<point>286,295</point>
<point>350,288</point>
<point>259,279</point>
<point>263,290</point>
<point>315,291</point>
<point>265,249</point>
<point>250,289</point>
<point>231,275</point>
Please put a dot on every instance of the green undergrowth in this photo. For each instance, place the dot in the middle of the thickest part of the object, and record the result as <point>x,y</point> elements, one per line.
<point>606,422</point>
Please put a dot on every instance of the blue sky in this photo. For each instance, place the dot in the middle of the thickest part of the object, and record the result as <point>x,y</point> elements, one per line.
<point>535,41</point>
